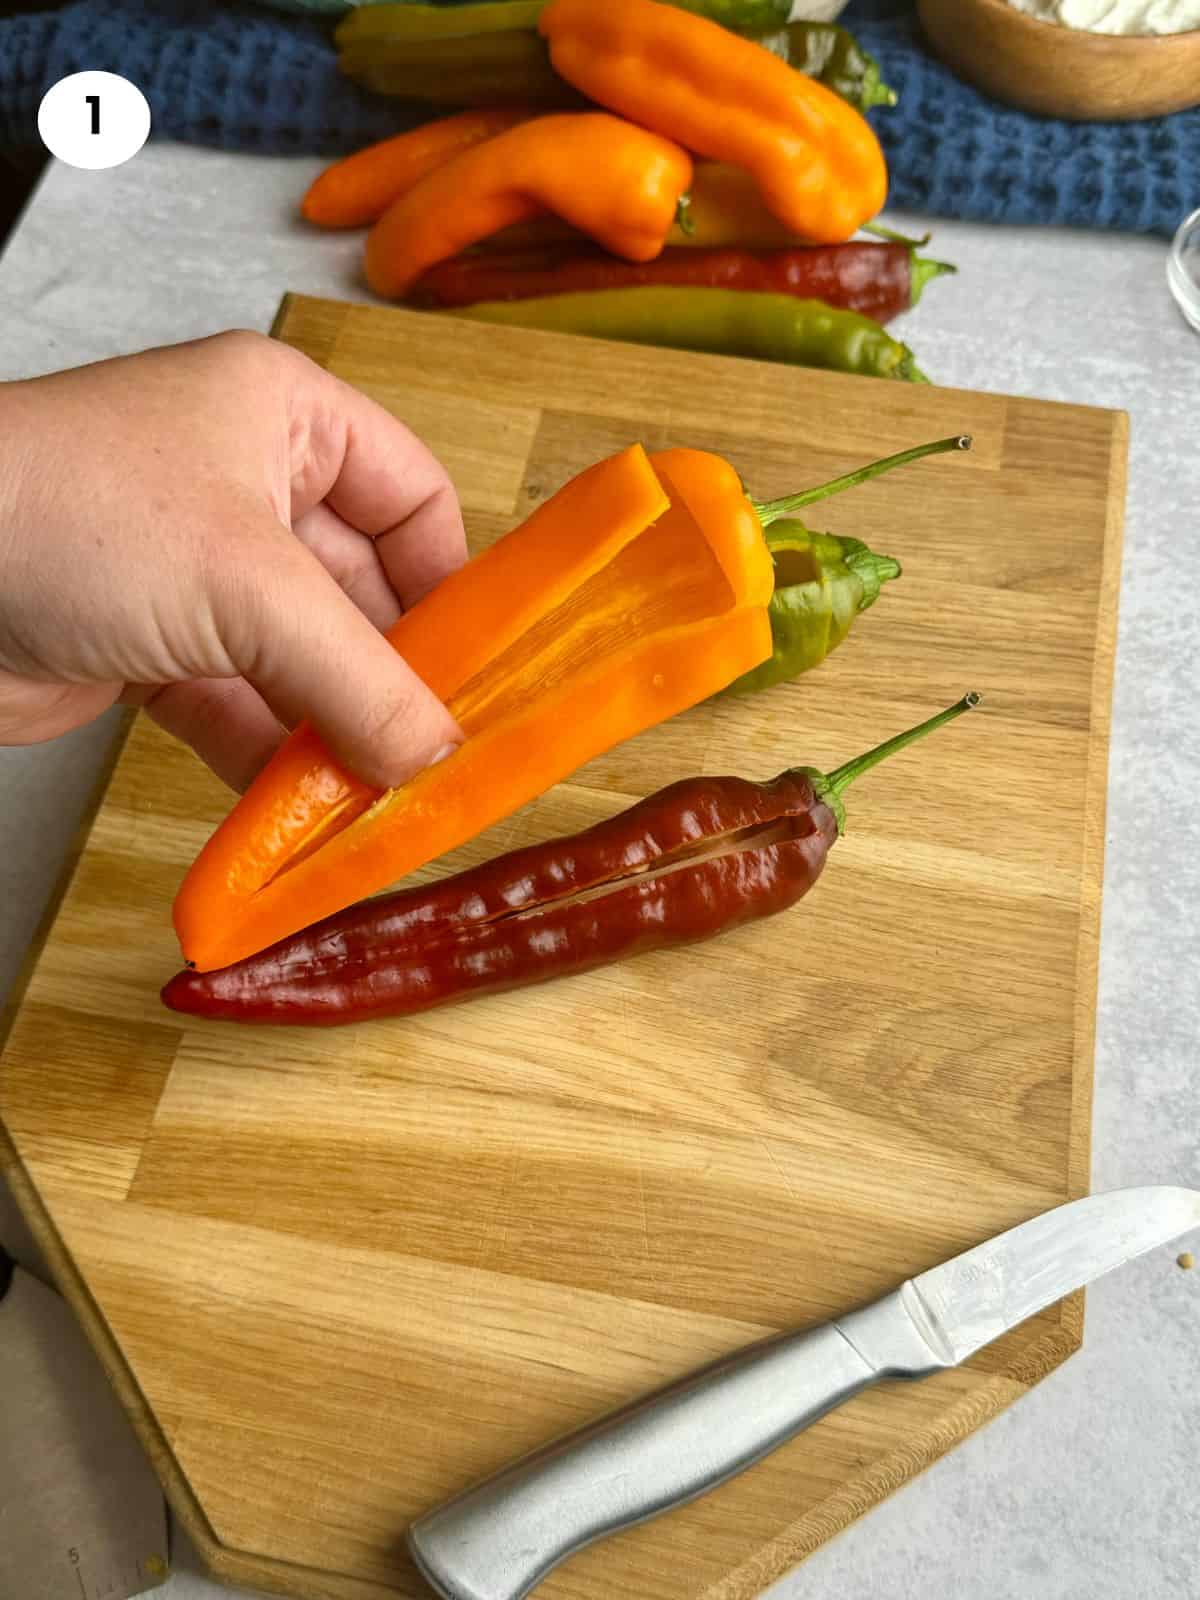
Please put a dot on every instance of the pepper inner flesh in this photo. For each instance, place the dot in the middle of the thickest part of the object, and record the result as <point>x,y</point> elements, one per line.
<point>342,815</point>
<point>665,578</point>
<point>794,567</point>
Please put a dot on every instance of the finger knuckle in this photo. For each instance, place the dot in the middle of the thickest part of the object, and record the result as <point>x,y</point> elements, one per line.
<point>392,719</point>
<point>240,344</point>
<point>251,355</point>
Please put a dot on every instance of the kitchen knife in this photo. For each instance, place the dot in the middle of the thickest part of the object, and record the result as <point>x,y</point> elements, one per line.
<point>499,1539</point>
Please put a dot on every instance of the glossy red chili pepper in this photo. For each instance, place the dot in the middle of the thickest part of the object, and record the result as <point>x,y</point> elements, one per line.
<point>877,279</point>
<point>682,865</point>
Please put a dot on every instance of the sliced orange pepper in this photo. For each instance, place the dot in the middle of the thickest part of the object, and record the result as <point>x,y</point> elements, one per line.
<point>638,590</point>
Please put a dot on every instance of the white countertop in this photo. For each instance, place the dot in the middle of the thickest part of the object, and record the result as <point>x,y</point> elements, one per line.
<point>1087,1488</point>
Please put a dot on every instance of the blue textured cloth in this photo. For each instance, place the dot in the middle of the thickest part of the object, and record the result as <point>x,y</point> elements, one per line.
<point>955,152</point>
<point>247,78</point>
<point>230,75</point>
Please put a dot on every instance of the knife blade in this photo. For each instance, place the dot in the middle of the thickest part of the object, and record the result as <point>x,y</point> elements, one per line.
<point>498,1540</point>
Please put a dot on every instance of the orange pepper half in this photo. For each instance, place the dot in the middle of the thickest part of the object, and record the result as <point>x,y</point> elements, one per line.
<point>637,590</point>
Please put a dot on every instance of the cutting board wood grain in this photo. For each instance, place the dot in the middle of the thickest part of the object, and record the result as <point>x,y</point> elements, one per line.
<point>337,1276</point>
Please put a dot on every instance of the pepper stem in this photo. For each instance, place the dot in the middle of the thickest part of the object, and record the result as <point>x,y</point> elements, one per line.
<point>770,511</point>
<point>840,780</point>
<point>893,237</point>
<point>921,270</point>
<point>874,91</point>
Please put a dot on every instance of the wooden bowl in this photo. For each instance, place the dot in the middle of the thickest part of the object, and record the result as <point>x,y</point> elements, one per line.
<point>1064,72</point>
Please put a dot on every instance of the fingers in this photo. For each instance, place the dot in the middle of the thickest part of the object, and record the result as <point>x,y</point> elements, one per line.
<point>378,476</point>
<point>415,554</point>
<point>310,652</point>
<point>352,560</point>
<point>227,724</point>
<point>31,712</point>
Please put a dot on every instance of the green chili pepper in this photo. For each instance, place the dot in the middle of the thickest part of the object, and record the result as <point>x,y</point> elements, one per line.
<point>742,16</point>
<point>832,54</point>
<point>412,19</point>
<point>822,580</point>
<point>487,70</point>
<point>489,52</point>
<point>421,22</point>
<point>734,322</point>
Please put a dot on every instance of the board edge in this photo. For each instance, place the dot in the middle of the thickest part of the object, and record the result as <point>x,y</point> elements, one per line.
<point>67,1279</point>
<point>788,1551</point>
<point>65,1275</point>
<point>294,300</point>
<point>1091,890</point>
<point>72,856</point>
<point>785,1553</point>
<point>330,315</point>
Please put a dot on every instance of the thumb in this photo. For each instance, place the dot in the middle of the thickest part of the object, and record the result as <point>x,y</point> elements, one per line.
<point>31,711</point>
<point>310,652</point>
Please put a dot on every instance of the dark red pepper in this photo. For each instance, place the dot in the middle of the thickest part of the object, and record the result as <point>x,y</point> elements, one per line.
<point>877,279</point>
<point>688,862</point>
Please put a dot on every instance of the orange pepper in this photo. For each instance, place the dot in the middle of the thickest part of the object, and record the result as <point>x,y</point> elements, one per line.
<point>637,590</point>
<point>359,188</point>
<point>814,157</point>
<point>618,183</point>
<point>723,210</point>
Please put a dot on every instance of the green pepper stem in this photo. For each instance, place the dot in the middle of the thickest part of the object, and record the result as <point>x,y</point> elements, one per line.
<point>921,270</point>
<point>875,92</point>
<point>839,781</point>
<point>684,220</point>
<point>890,234</point>
<point>884,568</point>
<point>770,511</point>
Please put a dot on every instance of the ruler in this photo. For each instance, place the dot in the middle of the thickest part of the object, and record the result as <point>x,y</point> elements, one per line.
<point>81,1513</point>
<point>102,1575</point>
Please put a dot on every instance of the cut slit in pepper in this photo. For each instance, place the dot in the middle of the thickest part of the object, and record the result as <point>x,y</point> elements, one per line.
<point>638,590</point>
<point>692,861</point>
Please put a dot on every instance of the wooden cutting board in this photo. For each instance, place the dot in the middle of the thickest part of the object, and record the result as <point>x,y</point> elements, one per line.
<point>336,1276</point>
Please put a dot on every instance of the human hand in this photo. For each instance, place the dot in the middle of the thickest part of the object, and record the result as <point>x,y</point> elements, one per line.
<point>218,531</point>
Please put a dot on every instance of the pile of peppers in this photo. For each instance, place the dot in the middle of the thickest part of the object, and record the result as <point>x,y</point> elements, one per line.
<point>680,172</point>
<point>643,586</point>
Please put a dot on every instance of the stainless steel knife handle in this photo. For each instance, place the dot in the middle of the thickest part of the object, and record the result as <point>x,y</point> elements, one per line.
<point>499,1539</point>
